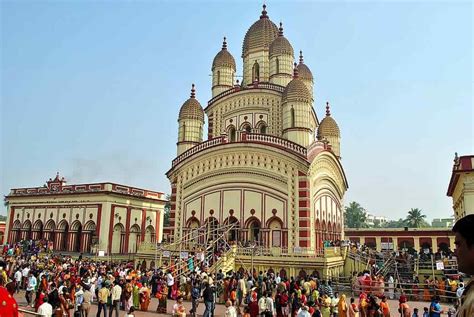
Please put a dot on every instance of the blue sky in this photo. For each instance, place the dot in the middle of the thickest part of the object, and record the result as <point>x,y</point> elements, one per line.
<point>92,89</point>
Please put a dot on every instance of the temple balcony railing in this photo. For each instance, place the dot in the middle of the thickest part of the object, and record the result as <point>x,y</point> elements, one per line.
<point>244,137</point>
<point>235,89</point>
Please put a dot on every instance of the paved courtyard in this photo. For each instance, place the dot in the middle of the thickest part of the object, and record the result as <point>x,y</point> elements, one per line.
<point>220,309</point>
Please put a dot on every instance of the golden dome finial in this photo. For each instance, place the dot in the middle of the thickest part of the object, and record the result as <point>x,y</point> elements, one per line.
<point>193,91</point>
<point>295,71</point>
<point>328,109</point>
<point>224,44</point>
<point>301,57</point>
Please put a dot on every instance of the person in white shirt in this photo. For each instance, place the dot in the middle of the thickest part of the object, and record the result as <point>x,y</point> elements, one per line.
<point>303,312</point>
<point>30,288</point>
<point>230,310</point>
<point>169,283</point>
<point>45,309</point>
<point>18,277</point>
<point>24,274</point>
<point>115,305</point>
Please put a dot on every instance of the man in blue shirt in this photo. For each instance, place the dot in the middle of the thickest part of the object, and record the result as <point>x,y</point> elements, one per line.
<point>435,307</point>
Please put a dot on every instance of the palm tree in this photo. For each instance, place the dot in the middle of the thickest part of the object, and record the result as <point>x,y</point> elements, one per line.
<point>415,218</point>
<point>355,216</point>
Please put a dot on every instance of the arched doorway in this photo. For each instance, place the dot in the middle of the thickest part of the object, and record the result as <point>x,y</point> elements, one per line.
<point>49,233</point>
<point>233,234</point>
<point>275,226</point>
<point>88,233</point>
<point>134,239</point>
<point>212,226</point>
<point>62,239</point>
<point>26,230</point>
<point>117,238</point>
<point>193,225</point>
<point>75,236</point>
<point>38,230</point>
<point>254,231</point>
<point>15,235</point>
<point>150,234</point>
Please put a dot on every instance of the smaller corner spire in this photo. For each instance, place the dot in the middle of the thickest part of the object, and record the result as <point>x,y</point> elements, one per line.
<point>301,57</point>
<point>193,91</point>
<point>328,109</point>
<point>224,43</point>
<point>295,70</point>
<point>280,29</point>
<point>264,12</point>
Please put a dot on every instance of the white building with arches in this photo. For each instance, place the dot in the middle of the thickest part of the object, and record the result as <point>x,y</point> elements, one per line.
<point>86,218</point>
<point>269,164</point>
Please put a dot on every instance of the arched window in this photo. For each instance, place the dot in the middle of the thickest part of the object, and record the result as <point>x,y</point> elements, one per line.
<point>277,65</point>
<point>231,134</point>
<point>134,238</point>
<point>254,231</point>
<point>263,129</point>
<point>256,72</point>
<point>233,234</point>
<point>292,117</point>
<point>212,225</point>
<point>218,77</point>
<point>183,137</point>
<point>247,128</point>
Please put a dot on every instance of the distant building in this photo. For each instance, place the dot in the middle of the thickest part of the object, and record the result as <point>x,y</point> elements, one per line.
<point>442,222</point>
<point>461,186</point>
<point>2,231</point>
<point>403,238</point>
<point>85,218</point>
<point>373,220</point>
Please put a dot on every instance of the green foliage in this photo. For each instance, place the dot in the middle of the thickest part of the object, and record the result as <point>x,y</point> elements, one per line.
<point>416,219</point>
<point>355,216</point>
<point>400,223</point>
<point>3,218</point>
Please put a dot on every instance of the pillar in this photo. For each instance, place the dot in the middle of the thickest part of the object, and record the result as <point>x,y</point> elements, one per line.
<point>416,243</point>
<point>362,240</point>
<point>378,243</point>
<point>434,244</point>
<point>451,243</point>
<point>395,243</point>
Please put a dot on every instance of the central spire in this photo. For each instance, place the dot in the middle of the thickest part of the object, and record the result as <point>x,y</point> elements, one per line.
<point>224,44</point>
<point>264,12</point>
<point>193,91</point>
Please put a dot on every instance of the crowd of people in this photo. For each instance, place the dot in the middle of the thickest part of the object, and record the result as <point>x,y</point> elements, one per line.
<point>64,286</point>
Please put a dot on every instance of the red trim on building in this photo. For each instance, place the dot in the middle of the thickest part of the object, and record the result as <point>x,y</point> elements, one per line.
<point>143,224</point>
<point>304,243</point>
<point>127,229</point>
<point>99,220</point>
<point>303,203</point>
<point>304,223</point>
<point>111,227</point>
<point>304,234</point>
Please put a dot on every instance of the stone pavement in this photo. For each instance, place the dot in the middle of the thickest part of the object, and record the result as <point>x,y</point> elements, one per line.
<point>220,309</point>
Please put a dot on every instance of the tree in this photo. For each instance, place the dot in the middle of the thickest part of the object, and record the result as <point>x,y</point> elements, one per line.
<point>166,216</point>
<point>400,223</point>
<point>355,216</point>
<point>415,219</point>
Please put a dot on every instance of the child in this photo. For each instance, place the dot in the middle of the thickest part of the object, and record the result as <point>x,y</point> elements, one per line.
<point>415,312</point>
<point>426,313</point>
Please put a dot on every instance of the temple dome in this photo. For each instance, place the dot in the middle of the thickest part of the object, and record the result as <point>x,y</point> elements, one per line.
<point>191,108</point>
<point>260,35</point>
<point>281,45</point>
<point>296,90</point>
<point>224,58</point>
<point>328,126</point>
